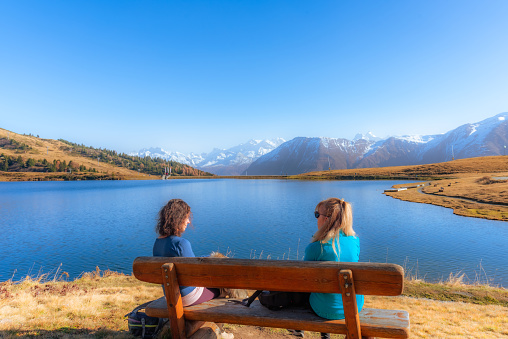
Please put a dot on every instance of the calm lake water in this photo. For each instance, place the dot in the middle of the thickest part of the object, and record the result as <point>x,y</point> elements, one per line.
<point>81,225</point>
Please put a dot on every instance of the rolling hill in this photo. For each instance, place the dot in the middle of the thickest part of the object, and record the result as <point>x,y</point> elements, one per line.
<point>28,157</point>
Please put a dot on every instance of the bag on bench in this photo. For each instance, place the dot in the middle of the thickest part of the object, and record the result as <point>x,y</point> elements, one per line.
<point>277,300</point>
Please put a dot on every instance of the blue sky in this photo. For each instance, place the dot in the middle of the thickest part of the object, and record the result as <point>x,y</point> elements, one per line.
<point>192,75</point>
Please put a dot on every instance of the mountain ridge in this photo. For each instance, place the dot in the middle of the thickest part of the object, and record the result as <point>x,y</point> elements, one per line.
<point>300,155</point>
<point>231,161</point>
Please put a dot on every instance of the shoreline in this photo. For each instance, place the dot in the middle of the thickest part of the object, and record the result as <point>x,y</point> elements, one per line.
<point>464,195</point>
<point>485,207</point>
<point>468,186</point>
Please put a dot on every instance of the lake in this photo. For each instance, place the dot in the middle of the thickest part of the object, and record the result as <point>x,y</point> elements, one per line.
<point>76,226</point>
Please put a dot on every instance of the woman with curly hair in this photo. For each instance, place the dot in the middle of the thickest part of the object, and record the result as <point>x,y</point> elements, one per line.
<point>172,222</point>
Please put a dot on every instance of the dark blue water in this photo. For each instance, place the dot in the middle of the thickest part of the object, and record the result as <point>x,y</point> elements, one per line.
<point>76,226</point>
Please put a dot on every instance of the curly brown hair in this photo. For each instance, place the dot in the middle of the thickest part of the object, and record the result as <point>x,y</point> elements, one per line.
<point>171,219</point>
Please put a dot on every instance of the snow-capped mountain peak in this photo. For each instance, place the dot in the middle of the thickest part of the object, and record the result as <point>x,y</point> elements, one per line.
<point>369,136</point>
<point>231,161</point>
<point>301,155</point>
<point>418,139</point>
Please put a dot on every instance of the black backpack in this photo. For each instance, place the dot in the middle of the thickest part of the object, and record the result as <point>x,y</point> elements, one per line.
<point>277,300</point>
<point>141,325</point>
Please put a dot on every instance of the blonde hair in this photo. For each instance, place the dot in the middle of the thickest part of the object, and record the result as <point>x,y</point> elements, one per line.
<point>339,215</point>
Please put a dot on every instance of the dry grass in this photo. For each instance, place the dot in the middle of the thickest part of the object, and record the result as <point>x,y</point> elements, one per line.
<point>94,306</point>
<point>471,195</point>
<point>482,189</point>
<point>492,164</point>
<point>443,319</point>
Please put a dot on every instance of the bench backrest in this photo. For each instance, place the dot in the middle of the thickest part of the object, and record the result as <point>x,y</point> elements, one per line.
<point>274,275</point>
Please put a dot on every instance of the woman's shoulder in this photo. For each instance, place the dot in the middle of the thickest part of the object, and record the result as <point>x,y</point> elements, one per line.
<point>173,239</point>
<point>342,235</point>
<point>178,239</point>
<point>313,245</point>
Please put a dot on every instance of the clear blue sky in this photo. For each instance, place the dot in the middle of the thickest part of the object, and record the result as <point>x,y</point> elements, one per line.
<point>193,75</point>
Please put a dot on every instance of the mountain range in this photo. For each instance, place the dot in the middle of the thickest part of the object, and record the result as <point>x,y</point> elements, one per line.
<point>232,161</point>
<point>306,154</point>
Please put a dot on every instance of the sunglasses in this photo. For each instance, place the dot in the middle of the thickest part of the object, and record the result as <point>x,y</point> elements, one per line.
<point>317,214</point>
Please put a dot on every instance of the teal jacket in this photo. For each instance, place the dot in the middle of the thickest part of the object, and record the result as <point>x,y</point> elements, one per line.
<point>329,305</point>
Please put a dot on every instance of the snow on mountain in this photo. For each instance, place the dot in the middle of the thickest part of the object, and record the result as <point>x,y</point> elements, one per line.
<point>232,161</point>
<point>300,155</point>
<point>483,138</point>
<point>235,160</point>
<point>157,152</point>
<point>369,137</point>
<point>419,139</point>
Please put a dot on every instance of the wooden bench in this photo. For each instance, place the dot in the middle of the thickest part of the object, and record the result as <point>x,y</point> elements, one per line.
<point>275,275</point>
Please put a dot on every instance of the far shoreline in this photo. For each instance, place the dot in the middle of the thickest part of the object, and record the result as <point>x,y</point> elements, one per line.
<point>468,186</point>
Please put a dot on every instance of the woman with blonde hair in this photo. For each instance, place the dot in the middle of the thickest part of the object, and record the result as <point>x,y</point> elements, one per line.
<point>335,240</point>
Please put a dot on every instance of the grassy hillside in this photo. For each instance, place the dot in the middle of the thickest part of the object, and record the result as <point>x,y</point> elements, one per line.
<point>27,157</point>
<point>450,169</point>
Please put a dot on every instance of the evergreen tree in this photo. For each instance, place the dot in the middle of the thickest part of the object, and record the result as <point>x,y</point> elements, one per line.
<point>30,162</point>
<point>62,167</point>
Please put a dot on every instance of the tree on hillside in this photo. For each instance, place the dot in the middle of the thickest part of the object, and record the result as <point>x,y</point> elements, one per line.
<point>62,167</point>
<point>30,162</point>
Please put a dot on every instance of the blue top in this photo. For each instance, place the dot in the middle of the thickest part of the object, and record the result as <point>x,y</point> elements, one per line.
<point>329,305</point>
<point>174,246</point>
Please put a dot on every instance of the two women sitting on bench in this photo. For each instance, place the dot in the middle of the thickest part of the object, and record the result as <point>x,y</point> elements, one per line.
<point>334,240</point>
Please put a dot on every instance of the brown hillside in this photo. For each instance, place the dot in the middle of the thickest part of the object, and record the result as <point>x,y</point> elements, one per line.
<point>472,166</point>
<point>50,150</point>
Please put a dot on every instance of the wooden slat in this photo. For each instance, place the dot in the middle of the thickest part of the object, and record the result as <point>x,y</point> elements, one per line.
<point>373,322</point>
<point>174,304</point>
<point>352,319</point>
<point>274,275</point>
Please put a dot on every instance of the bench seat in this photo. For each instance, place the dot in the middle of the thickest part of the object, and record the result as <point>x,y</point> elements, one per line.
<point>373,322</point>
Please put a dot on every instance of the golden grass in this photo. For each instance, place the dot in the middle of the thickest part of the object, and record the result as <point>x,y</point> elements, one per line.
<point>470,195</point>
<point>491,164</point>
<point>94,306</point>
<point>443,319</point>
